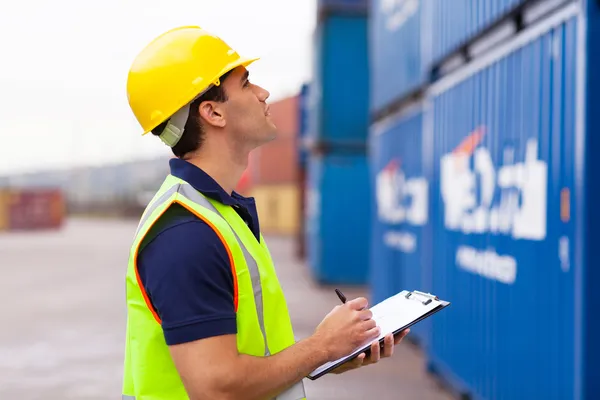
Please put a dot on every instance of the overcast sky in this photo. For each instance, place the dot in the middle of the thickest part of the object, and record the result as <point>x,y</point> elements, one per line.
<point>65,62</point>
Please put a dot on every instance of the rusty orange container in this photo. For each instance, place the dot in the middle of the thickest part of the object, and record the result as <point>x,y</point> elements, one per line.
<point>275,163</point>
<point>4,209</point>
<point>31,209</point>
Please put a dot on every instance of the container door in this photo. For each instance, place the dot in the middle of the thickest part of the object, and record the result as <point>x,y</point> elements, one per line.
<point>503,225</point>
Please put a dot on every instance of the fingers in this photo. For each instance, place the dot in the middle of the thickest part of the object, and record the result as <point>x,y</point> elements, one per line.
<point>369,324</point>
<point>372,333</point>
<point>375,353</point>
<point>398,338</point>
<point>388,346</point>
<point>365,315</point>
<point>358,361</point>
<point>358,304</point>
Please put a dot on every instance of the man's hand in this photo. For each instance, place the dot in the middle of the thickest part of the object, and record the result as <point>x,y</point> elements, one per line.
<point>346,328</point>
<point>376,354</point>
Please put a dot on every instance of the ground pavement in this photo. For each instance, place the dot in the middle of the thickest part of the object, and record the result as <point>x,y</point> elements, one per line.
<point>63,319</point>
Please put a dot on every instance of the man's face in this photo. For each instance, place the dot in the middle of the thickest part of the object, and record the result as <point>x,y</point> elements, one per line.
<point>246,111</point>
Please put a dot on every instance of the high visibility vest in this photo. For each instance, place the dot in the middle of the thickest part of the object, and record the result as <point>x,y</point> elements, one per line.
<point>263,323</point>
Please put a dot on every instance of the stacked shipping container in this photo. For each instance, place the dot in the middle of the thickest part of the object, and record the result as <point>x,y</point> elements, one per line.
<point>398,51</point>
<point>337,218</point>
<point>340,92</point>
<point>272,175</point>
<point>337,206</point>
<point>31,209</point>
<point>505,229</point>
<point>515,240</point>
<point>302,156</point>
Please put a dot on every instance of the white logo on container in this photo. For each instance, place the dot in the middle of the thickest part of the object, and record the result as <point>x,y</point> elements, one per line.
<point>525,181</point>
<point>470,205</point>
<point>394,189</point>
<point>401,200</point>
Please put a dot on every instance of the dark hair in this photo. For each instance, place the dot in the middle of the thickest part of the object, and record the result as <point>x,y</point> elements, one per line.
<point>193,133</point>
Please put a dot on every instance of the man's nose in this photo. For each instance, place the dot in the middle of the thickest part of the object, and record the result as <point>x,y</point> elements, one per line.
<point>263,94</point>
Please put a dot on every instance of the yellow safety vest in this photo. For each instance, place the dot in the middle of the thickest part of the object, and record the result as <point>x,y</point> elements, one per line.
<point>263,322</point>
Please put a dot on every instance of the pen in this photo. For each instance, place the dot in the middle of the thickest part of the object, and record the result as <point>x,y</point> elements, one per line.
<point>341,295</point>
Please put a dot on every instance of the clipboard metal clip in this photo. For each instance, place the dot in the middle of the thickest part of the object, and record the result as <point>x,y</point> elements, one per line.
<point>428,296</point>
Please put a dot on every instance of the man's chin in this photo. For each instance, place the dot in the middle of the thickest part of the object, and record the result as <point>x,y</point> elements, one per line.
<point>271,137</point>
<point>265,138</point>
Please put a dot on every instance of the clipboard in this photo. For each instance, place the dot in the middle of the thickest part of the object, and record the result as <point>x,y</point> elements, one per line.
<point>393,315</point>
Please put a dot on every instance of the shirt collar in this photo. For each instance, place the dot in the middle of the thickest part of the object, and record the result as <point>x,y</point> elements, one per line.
<point>201,181</point>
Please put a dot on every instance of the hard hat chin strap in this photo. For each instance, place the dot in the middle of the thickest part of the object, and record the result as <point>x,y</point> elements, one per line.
<point>174,129</point>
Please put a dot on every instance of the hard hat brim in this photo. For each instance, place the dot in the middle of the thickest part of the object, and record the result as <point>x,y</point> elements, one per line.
<point>241,62</point>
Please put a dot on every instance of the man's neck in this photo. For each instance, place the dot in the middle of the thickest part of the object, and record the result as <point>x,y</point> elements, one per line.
<point>225,170</point>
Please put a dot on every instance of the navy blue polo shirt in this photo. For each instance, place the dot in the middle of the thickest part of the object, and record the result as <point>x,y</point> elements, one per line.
<point>184,267</point>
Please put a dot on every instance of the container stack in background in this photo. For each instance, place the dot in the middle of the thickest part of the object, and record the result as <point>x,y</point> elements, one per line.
<point>482,151</point>
<point>398,150</point>
<point>302,158</point>
<point>272,174</point>
<point>31,209</point>
<point>337,199</point>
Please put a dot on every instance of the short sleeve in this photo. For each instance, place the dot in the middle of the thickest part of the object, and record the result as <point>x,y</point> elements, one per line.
<point>186,272</point>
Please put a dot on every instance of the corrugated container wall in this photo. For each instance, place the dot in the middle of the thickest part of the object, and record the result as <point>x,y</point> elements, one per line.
<point>400,242</point>
<point>340,89</point>
<point>399,58</point>
<point>338,218</point>
<point>455,22</point>
<point>504,223</point>
<point>587,239</point>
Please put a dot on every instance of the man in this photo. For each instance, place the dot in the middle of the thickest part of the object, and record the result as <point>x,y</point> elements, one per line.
<point>207,318</point>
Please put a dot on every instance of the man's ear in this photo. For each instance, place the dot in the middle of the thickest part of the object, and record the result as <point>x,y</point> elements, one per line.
<point>212,113</point>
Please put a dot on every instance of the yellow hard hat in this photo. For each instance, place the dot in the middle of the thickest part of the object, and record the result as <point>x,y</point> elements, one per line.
<point>174,69</point>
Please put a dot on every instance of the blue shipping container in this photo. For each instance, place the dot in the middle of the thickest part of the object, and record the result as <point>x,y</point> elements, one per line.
<point>343,6</point>
<point>401,235</point>
<point>340,87</point>
<point>509,230</point>
<point>337,218</point>
<point>399,58</point>
<point>456,22</point>
<point>303,123</point>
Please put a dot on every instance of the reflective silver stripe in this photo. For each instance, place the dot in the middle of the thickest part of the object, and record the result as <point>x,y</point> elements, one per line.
<point>258,298</point>
<point>296,392</point>
<point>125,397</point>
<point>193,195</point>
<point>155,205</point>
